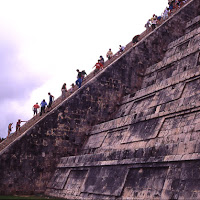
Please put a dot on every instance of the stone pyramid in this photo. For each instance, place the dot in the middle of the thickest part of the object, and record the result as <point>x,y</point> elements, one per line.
<point>132,132</point>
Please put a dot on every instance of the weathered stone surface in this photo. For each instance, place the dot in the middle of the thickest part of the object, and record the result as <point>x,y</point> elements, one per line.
<point>126,134</point>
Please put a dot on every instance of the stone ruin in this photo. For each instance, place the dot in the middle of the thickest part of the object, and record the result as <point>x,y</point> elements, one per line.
<point>132,132</point>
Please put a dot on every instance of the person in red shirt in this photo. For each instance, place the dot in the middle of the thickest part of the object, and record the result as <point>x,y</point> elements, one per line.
<point>35,107</point>
<point>98,66</point>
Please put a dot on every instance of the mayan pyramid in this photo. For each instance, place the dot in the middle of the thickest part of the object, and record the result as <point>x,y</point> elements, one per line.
<point>131,132</point>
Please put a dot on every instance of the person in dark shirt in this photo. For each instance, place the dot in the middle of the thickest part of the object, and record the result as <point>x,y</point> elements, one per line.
<point>64,90</point>
<point>79,78</point>
<point>83,74</point>
<point>51,98</point>
<point>9,128</point>
<point>101,60</point>
<point>18,125</point>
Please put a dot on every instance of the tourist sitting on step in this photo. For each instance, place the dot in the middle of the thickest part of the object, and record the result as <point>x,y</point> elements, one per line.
<point>18,125</point>
<point>109,54</point>
<point>43,106</point>
<point>121,48</point>
<point>35,109</point>
<point>79,78</point>
<point>63,90</point>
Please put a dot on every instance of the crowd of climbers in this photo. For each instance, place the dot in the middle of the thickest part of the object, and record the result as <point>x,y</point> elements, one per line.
<point>155,21</point>
<point>151,24</point>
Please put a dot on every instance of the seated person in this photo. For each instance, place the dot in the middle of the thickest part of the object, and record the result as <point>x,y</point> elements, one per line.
<point>121,48</point>
<point>109,54</point>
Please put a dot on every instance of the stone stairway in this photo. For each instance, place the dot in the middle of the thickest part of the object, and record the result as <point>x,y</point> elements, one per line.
<point>30,123</point>
<point>150,149</point>
<point>114,128</point>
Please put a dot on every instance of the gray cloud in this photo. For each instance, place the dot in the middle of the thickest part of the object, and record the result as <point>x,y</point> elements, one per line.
<point>16,81</point>
<point>16,84</point>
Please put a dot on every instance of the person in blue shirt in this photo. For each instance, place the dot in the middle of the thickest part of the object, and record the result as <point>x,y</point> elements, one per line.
<point>43,106</point>
<point>79,78</point>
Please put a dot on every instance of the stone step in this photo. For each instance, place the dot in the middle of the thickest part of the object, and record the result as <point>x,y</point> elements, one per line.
<point>186,37</point>
<point>125,121</point>
<point>169,82</point>
<point>176,56</point>
<point>193,21</point>
<point>123,158</point>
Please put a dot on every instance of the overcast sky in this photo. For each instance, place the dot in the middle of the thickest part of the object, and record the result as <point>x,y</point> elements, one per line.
<point>43,42</point>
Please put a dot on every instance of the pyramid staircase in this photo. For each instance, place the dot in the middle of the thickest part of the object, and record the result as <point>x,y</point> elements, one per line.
<point>30,123</point>
<point>150,150</point>
<point>101,130</point>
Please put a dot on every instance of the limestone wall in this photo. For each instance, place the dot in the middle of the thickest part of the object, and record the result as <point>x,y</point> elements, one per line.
<point>26,165</point>
<point>150,148</point>
<point>100,127</point>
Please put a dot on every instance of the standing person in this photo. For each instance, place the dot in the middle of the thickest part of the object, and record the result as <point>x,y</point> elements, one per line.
<point>101,60</point>
<point>51,98</point>
<point>148,24</point>
<point>43,106</point>
<point>18,125</point>
<point>171,4</point>
<point>9,128</point>
<point>165,13</point>
<point>64,90</point>
<point>72,88</point>
<point>109,54</point>
<point>83,74</point>
<point>35,107</point>
<point>159,20</point>
<point>79,79</point>
<point>153,21</point>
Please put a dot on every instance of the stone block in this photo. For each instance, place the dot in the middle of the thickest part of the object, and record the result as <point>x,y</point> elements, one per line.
<point>95,141</point>
<point>114,182</point>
